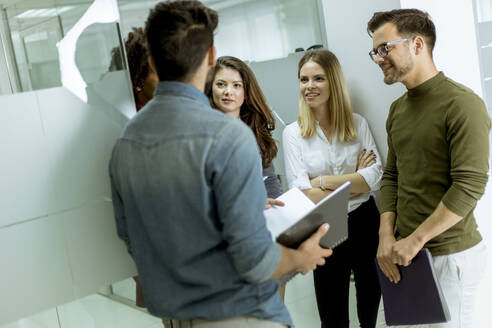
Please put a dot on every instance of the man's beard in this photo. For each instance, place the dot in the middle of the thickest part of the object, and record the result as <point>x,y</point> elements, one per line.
<point>397,73</point>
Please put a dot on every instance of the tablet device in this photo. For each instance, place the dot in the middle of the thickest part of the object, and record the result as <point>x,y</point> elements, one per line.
<point>333,209</point>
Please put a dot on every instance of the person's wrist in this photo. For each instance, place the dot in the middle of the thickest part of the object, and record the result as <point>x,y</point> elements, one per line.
<point>418,239</point>
<point>386,233</point>
<point>321,185</point>
<point>296,258</point>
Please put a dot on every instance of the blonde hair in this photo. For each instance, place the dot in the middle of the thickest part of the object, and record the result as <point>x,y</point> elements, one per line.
<point>339,109</point>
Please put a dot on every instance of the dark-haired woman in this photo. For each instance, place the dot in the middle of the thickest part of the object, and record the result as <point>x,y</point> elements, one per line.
<point>144,82</point>
<point>144,78</point>
<point>233,90</point>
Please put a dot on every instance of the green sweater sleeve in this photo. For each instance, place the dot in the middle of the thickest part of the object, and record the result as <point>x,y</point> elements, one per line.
<point>468,126</point>
<point>389,184</point>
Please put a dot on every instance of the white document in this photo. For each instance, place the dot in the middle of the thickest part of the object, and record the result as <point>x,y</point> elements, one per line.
<point>279,218</point>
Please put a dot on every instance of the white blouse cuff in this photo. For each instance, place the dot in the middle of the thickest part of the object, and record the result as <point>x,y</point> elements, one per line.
<point>301,183</point>
<point>372,175</point>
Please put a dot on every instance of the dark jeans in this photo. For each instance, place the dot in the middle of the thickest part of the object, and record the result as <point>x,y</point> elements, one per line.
<point>356,254</point>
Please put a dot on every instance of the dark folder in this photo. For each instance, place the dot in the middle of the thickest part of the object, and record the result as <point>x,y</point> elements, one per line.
<point>417,298</point>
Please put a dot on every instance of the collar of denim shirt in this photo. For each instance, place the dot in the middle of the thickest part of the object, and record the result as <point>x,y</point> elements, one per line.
<point>181,89</point>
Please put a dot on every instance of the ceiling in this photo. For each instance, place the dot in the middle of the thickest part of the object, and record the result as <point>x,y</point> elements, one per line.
<point>217,4</point>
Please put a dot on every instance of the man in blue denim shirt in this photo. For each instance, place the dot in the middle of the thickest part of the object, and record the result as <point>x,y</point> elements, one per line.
<point>188,193</point>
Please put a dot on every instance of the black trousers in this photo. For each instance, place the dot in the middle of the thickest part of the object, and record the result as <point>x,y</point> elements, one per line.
<point>357,253</point>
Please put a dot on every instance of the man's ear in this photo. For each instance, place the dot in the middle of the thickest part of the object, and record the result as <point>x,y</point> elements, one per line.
<point>419,44</point>
<point>212,52</point>
<point>152,64</point>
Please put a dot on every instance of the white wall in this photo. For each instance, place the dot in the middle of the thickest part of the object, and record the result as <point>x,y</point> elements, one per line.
<point>456,51</point>
<point>346,23</point>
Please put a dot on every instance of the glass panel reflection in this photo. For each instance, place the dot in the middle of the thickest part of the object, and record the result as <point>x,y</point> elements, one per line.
<point>38,29</point>
<point>252,30</point>
<point>484,23</point>
<point>56,202</point>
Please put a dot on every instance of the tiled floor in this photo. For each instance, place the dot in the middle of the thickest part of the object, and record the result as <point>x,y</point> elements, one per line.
<point>47,319</point>
<point>97,311</point>
<point>94,311</point>
<point>301,302</point>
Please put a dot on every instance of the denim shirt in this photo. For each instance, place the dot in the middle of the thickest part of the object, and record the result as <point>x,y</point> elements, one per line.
<point>188,198</point>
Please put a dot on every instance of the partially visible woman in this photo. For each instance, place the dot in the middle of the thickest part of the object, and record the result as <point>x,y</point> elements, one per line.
<point>144,82</point>
<point>327,146</point>
<point>232,88</point>
<point>144,78</point>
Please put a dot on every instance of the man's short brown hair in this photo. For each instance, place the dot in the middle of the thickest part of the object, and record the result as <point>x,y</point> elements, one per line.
<point>408,22</point>
<point>179,34</point>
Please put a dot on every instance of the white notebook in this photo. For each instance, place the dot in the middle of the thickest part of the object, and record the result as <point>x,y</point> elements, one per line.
<point>279,218</point>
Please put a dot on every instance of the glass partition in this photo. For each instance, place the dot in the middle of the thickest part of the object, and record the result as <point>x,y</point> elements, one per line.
<point>57,230</point>
<point>253,30</point>
<point>266,29</point>
<point>483,15</point>
<point>36,28</point>
<point>62,109</point>
<point>484,23</point>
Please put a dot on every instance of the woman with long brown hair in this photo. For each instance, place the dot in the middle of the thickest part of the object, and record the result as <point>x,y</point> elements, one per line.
<point>327,146</point>
<point>232,88</point>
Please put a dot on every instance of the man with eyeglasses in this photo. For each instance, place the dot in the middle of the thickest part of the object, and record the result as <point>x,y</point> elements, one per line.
<point>437,165</point>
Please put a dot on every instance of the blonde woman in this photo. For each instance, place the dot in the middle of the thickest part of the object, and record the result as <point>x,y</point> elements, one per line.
<point>327,146</point>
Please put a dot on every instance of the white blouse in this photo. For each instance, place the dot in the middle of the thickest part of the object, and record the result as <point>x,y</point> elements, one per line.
<point>306,158</point>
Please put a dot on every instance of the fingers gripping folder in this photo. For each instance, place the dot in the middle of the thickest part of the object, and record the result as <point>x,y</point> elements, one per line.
<point>417,298</point>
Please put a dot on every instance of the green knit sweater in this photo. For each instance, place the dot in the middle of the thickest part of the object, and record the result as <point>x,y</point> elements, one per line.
<point>438,150</point>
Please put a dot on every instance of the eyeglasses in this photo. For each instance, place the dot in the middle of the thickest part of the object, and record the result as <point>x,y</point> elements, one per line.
<point>383,49</point>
